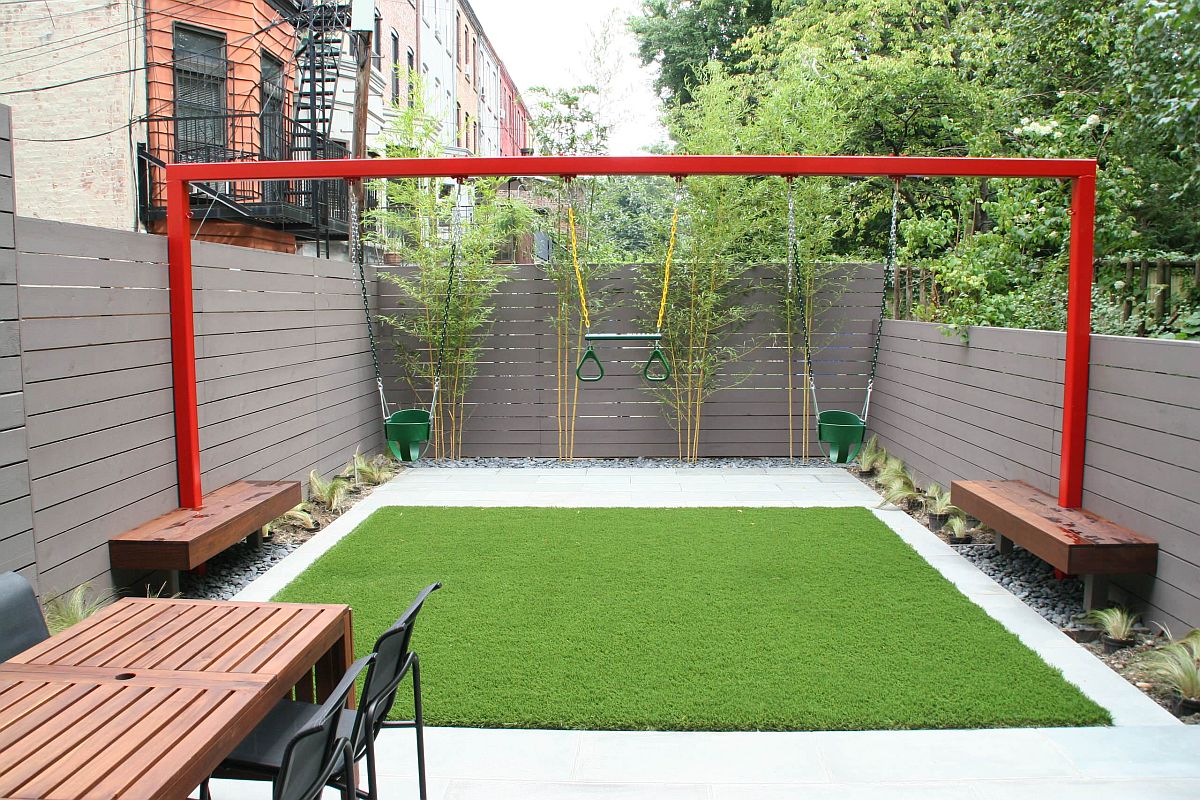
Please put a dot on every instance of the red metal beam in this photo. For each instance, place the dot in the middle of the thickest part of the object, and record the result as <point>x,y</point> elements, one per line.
<point>1083,205</point>
<point>183,345</point>
<point>560,166</point>
<point>1079,341</point>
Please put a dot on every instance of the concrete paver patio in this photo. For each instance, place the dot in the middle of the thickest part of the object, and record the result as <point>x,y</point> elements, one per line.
<point>1147,754</point>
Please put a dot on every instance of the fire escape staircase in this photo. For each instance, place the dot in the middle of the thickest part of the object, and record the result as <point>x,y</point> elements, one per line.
<point>319,52</point>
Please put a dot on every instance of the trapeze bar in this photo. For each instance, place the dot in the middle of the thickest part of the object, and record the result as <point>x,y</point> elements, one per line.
<point>622,337</point>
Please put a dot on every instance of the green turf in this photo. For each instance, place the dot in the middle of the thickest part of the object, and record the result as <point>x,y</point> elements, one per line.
<point>685,619</point>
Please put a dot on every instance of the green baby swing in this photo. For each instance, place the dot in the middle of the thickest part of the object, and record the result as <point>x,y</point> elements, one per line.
<point>407,430</point>
<point>839,432</point>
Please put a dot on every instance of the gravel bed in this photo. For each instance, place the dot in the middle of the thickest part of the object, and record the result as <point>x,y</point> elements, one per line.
<point>229,572</point>
<point>582,463</point>
<point>1032,580</point>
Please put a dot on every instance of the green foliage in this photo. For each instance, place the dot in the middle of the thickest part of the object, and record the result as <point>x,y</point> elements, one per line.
<point>369,471</point>
<point>75,606</point>
<point>331,493</point>
<point>422,223</point>
<point>714,610</point>
<point>871,456</point>
<point>681,37</point>
<point>1116,80</point>
<point>300,515</point>
<point>957,527</point>
<point>566,121</point>
<point>1116,622</point>
<point>936,500</point>
<point>899,485</point>
<point>1176,664</point>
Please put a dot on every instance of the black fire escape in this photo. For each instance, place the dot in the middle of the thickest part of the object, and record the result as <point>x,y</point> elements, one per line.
<point>290,124</point>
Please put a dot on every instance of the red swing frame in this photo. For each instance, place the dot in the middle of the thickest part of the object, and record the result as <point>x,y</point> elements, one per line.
<point>1081,173</point>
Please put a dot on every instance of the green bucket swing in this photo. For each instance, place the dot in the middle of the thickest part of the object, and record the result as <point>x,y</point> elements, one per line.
<point>841,433</point>
<point>408,430</point>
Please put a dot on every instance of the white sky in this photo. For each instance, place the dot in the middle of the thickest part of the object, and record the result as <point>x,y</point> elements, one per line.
<point>548,43</point>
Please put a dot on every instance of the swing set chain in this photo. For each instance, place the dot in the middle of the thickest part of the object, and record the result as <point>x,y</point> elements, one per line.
<point>358,256</point>
<point>889,275</point>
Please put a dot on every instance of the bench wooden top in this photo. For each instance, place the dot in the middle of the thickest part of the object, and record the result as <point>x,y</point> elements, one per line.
<point>1074,540</point>
<point>144,699</point>
<point>185,538</point>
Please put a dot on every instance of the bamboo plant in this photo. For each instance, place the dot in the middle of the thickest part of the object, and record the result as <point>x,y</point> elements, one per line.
<point>423,223</point>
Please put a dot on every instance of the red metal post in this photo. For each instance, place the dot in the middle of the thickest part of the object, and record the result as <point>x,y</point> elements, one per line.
<point>1083,206</point>
<point>183,345</point>
<point>1079,339</point>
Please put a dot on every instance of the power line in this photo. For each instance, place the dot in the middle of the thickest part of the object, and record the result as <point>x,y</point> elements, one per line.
<point>94,34</point>
<point>117,129</point>
<point>276,23</point>
<point>114,29</point>
<point>138,120</point>
<point>129,28</point>
<point>61,14</point>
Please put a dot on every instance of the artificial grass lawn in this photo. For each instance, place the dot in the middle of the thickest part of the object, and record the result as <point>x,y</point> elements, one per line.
<point>684,619</point>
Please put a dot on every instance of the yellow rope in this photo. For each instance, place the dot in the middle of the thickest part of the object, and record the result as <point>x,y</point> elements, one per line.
<point>662,305</point>
<point>583,309</point>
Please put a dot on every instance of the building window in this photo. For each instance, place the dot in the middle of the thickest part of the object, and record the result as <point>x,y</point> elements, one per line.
<point>396,67</point>
<point>458,124</point>
<point>272,100</point>
<point>412,63</point>
<point>458,46</point>
<point>201,74</point>
<point>377,42</point>
<point>274,132</point>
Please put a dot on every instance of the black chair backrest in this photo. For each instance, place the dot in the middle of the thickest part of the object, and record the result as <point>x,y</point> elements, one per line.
<point>315,753</point>
<point>21,622</point>
<point>393,658</point>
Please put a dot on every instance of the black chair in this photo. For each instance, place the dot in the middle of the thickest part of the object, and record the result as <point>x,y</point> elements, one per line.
<point>21,622</point>
<point>394,659</point>
<point>307,757</point>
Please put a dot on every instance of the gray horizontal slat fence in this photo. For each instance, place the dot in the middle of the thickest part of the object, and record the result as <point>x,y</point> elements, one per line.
<point>284,384</point>
<point>993,409</point>
<point>16,515</point>
<point>512,402</point>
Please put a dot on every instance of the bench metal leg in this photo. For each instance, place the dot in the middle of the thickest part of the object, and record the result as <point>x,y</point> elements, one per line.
<point>1004,545</point>
<point>1095,591</point>
<point>171,588</point>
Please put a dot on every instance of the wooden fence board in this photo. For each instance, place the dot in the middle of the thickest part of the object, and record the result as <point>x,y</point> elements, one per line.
<point>1142,460</point>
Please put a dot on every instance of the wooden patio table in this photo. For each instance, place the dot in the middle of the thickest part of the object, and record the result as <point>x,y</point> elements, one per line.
<point>145,698</point>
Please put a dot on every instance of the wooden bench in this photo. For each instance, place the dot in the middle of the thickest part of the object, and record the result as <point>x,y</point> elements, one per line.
<point>184,538</point>
<point>1073,540</point>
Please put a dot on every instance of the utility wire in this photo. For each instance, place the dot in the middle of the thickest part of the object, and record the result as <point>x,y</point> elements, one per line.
<point>129,32</point>
<point>170,62</point>
<point>131,123</point>
<point>95,34</point>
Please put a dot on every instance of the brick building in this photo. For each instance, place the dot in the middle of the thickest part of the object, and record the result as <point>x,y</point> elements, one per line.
<point>116,91</point>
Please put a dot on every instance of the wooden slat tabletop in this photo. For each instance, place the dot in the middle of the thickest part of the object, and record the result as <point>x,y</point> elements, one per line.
<point>195,636</point>
<point>145,698</point>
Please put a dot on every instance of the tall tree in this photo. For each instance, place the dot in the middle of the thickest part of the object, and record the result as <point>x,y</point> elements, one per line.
<point>682,36</point>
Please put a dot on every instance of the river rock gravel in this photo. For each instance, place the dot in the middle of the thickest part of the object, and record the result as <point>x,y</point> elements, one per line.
<point>1032,580</point>
<point>641,463</point>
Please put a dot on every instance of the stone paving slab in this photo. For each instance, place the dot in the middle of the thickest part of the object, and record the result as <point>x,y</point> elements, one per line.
<point>1147,754</point>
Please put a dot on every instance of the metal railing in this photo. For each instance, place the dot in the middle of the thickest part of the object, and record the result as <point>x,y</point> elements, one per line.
<point>304,207</point>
